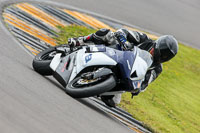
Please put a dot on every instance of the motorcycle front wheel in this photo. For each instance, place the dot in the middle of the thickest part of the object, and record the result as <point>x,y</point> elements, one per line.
<point>41,62</point>
<point>81,88</point>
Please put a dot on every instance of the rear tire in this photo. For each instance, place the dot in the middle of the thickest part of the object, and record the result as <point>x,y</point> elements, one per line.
<point>91,90</point>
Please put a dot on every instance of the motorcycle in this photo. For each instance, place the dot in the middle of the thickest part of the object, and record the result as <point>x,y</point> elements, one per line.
<point>94,70</point>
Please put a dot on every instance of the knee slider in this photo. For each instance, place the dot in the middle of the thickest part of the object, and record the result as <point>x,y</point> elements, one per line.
<point>102,32</point>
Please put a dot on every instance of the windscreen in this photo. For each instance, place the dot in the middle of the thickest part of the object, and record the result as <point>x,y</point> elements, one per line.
<point>146,56</point>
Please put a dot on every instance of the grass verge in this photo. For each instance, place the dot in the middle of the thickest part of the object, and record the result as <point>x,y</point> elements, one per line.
<point>70,32</point>
<point>171,103</point>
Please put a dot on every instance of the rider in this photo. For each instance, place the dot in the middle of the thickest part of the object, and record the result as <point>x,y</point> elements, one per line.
<point>162,50</point>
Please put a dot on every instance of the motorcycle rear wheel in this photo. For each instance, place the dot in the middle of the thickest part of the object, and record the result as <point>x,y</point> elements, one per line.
<point>91,89</point>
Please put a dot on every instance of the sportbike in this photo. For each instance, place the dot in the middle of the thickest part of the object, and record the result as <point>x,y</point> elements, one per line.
<point>94,70</point>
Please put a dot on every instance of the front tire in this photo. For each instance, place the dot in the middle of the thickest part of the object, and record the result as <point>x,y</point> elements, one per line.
<point>90,90</point>
<point>41,62</point>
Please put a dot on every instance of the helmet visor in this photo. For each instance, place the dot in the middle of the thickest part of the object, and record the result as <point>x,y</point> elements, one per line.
<point>165,55</point>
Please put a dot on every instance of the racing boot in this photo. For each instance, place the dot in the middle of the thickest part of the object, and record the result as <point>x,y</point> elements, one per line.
<point>111,100</point>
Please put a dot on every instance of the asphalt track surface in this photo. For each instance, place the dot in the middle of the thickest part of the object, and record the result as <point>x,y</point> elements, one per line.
<point>180,18</point>
<point>32,103</point>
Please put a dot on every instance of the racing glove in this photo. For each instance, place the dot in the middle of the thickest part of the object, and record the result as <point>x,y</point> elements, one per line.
<point>134,94</point>
<point>73,42</point>
<point>120,36</point>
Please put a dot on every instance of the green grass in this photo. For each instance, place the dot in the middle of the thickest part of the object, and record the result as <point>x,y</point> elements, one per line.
<point>172,102</point>
<point>71,32</point>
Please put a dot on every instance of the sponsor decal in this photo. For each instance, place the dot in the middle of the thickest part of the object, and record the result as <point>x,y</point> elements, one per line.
<point>88,37</point>
<point>88,58</point>
<point>136,84</point>
<point>63,69</point>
